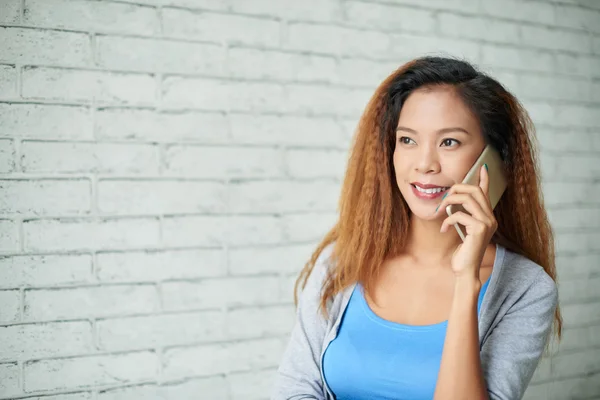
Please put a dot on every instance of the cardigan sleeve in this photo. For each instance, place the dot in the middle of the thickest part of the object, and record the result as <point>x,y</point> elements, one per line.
<point>513,350</point>
<point>299,373</point>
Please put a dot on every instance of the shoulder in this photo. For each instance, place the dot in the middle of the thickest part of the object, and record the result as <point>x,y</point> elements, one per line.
<point>525,280</point>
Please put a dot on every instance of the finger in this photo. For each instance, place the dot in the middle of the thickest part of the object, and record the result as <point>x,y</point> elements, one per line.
<point>484,180</point>
<point>476,192</point>
<point>469,204</point>
<point>474,226</point>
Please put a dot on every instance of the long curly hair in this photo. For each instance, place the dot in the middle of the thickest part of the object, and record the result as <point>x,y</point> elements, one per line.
<point>373,215</point>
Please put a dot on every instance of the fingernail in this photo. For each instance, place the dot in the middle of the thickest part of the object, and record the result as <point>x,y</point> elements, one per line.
<point>437,207</point>
<point>486,167</point>
<point>444,196</point>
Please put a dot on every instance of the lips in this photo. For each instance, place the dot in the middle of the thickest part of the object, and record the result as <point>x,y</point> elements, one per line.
<point>428,196</point>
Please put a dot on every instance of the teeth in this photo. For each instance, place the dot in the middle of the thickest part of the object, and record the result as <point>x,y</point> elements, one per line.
<point>431,191</point>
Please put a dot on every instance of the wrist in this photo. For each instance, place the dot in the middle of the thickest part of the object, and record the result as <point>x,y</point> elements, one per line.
<point>467,285</point>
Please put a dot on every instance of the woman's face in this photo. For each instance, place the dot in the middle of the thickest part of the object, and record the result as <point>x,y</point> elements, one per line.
<point>438,140</point>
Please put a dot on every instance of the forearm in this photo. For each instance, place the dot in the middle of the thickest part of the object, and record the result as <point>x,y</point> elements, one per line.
<point>460,375</point>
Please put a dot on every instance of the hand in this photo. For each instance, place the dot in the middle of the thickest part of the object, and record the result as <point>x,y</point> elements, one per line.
<point>480,225</point>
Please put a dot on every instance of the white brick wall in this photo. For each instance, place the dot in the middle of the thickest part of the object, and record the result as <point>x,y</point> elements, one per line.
<point>167,166</point>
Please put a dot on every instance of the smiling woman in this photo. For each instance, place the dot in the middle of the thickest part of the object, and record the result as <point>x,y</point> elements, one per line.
<point>395,305</point>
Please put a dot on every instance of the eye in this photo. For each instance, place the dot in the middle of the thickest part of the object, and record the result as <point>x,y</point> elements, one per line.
<point>445,141</point>
<point>405,140</point>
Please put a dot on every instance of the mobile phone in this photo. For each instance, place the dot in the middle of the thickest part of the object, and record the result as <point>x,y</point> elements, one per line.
<point>497,184</point>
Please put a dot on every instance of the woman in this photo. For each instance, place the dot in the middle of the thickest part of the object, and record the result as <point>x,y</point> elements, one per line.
<point>394,304</point>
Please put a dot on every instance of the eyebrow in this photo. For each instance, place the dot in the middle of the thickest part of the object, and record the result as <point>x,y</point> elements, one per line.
<point>443,130</point>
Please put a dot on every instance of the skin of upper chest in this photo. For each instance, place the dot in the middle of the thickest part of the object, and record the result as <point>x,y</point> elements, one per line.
<point>413,294</point>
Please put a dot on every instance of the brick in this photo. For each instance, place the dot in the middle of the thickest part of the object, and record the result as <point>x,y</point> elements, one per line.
<point>390,17</point>
<point>45,270</point>
<point>152,266</point>
<point>160,330</point>
<point>45,121</point>
<point>251,385</point>
<point>79,85</point>
<point>308,227</point>
<point>573,266</point>
<point>42,197</point>
<point>11,14</point>
<point>362,72</point>
<point>221,230</point>
<point>574,364</point>
<point>308,10</point>
<point>555,39</point>
<point>561,88</point>
<point>582,314</point>
<point>278,260</point>
<point>328,100</point>
<point>221,358</point>
<point>577,65</point>
<point>214,387</point>
<point>579,217</point>
<point>595,95</point>
<point>576,388</point>
<point>570,193</point>
<point>223,162</point>
<point>32,46</point>
<point>9,237</point>
<point>220,28</point>
<point>596,45</point>
<point>585,289</point>
<point>336,40</point>
<point>559,140</point>
<point>45,340</point>
<point>323,163</point>
<point>123,124</point>
<point>542,372</point>
<point>76,234</point>
<point>69,396</point>
<point>275,65</point>
<point>577,18</point>
<point>476,28</point>
<point>568,164</point>
<point>283,196</point>
<point>541,113</point>
<point>456,5</point>
<point>8,81</point>
<point>542,13</point>
<point>67,373</point>
<point>577,241</point>
<point>286,130</point>
<point>218,293</point>
<point>407,46</point>
<point>575,338</point>
<point>219,95</point>
<point>517,59</point>
<point>7,156</point>
<point>159,55</point>
<point>10,301</point>
<point>92,16</point>
<point>193,4</point>
<point>246,323</point>
<point>103,158</point>
<point>93,301</point>
<point>160,197</point>
<point>9,379</point>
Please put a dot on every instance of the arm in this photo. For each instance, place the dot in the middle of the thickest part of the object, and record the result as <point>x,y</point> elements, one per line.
<point>460,375</point>
<point>299,373</point>
<point>513,350</point>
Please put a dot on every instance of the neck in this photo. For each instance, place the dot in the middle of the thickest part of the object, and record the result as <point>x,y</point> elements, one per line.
<point>427,245</point>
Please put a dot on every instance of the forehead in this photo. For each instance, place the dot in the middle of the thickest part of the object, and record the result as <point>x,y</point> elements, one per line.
<point>433,108</point>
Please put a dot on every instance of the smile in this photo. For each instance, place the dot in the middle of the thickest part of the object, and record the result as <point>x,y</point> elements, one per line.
<point>428,194</point>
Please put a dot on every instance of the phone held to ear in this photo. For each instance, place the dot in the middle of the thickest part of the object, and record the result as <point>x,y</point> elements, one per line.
<point>497,182</point>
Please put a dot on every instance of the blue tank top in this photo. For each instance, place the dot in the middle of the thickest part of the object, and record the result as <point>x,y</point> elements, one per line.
<point>372,358</point>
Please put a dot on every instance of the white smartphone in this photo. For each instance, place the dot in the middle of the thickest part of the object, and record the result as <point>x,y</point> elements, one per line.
<point>497,184</point>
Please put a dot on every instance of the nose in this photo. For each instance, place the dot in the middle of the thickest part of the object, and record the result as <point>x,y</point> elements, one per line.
<point>428,160</point>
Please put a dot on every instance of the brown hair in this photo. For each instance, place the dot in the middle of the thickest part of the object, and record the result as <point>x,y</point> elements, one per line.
<point>374,217</point>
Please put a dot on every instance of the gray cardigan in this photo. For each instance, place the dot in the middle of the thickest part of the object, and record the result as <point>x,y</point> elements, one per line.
<point>514,325</point>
